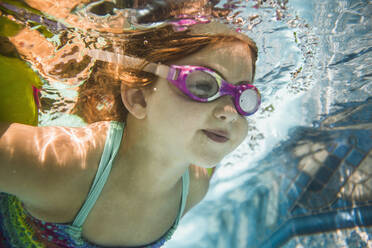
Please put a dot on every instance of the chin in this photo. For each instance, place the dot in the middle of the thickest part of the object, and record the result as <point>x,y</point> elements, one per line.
<point>208,162</point>
<point>206,157</point>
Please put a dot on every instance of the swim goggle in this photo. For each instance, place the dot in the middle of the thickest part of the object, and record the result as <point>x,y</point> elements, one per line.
<point>205,85</point>
<point>197,82</point>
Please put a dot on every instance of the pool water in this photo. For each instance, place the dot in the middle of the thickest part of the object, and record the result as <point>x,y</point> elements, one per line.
<point>303,176</point>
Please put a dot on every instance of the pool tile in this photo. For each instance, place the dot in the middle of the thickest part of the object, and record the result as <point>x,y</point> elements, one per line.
<point>332,162</point>
<point>341,151</point>
<point>323,175</point>
<point>315,186</point>
<point>302,180</point>
<point>355,157</point>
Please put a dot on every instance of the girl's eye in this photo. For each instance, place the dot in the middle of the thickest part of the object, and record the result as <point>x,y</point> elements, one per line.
<point>203,89</point>
<point>202,84</point>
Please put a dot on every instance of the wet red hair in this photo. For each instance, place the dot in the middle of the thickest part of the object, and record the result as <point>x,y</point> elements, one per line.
<point>100,96</point>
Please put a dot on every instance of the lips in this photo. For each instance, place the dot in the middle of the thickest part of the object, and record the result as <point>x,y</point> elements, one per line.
<point>217,135</point>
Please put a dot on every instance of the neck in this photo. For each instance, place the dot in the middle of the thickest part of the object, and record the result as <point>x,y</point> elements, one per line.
<point>146,167</point>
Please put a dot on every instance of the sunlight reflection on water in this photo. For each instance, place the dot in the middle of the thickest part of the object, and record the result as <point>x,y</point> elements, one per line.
<point>313,62</point>
<point>307,151</point>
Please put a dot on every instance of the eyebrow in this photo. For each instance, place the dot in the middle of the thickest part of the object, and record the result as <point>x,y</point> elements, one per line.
<point>223,76</point>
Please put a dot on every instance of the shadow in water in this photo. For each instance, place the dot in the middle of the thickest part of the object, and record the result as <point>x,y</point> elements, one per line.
<point>325,176</point>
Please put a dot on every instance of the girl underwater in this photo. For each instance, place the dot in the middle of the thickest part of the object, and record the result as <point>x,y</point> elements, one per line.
<point>162,111</point>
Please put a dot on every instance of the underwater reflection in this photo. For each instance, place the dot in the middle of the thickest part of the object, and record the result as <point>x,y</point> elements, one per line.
<point>53,141</point>
<point>318,182</point>
<point>328,179</point>
<point>57,174</point>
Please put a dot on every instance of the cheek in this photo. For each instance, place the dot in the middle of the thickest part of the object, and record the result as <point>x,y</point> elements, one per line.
<point>242,127</point>
<point>172,110</point>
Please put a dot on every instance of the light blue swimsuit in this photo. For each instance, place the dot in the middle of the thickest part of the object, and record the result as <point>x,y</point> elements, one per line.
<point>19,229</point>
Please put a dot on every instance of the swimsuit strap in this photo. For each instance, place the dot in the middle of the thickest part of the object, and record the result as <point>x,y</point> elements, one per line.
<point>185,192</point>
<point>110,150</point>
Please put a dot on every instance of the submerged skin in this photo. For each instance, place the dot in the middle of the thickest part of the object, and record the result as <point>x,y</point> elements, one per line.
<point>175,121</point>
<point>51,168</point>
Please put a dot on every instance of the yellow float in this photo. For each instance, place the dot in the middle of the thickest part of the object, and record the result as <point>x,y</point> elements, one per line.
<point>18,82</point>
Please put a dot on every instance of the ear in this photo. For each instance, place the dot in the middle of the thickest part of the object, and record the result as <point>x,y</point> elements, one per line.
<point>134,100</point>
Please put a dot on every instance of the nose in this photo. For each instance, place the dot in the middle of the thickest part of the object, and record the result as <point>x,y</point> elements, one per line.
<point>225,109</point>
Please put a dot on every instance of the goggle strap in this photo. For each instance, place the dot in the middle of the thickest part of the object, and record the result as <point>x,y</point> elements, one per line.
<point>128,61</point>
<point>116,58</point>
<point>157,69</point>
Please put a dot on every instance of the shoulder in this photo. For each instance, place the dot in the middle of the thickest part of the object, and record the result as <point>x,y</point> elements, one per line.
<point>52,156</point>
<point>72,147</point>
<point>67,154</point>
<point>75,149</point>
<point>199,185</point>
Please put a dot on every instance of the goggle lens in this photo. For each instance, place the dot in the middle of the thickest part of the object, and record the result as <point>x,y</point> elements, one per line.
<point>202,84</point>
<point>248,100</point>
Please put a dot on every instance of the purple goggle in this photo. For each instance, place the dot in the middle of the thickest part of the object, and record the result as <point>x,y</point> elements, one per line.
<point>197,82</point>
<point>205,85</point>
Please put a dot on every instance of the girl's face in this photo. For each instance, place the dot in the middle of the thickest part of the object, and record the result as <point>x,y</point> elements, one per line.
<point>187,129</point>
